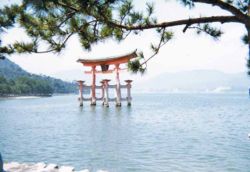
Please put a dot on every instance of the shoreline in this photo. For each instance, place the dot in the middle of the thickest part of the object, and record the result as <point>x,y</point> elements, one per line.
<point>25,95</point>
<point>33,96</point>
<point>21,97</point>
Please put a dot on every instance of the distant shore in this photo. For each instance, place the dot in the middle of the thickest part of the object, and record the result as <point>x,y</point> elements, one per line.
<point>27,96</point>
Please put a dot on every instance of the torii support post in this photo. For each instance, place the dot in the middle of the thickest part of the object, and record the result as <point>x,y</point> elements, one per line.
<point>118,86</point>
<point>106,93</point>
<point>93,95</point>
<point>80,83</point>
<point>103,87</point>
<point>129,98</point>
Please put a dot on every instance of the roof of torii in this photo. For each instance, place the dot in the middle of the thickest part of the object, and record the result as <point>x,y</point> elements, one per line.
<point>108,60</point>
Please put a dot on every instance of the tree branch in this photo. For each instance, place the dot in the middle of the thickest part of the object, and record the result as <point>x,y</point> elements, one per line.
<point>70,15</point>
<point>67,6</point>
<point>54,49</point>
<point>161,43</point>
<point>202,30</point>
<point>221,19</point>
<point>225,6</point>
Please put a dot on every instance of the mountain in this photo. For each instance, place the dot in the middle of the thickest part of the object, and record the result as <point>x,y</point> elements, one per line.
<point>24,82</point>
<point>10,70</point>
<point>196,81</point>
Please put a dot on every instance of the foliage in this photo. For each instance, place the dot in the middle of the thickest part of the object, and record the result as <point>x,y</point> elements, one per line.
<point>24,86</point>
<point>7,19</point>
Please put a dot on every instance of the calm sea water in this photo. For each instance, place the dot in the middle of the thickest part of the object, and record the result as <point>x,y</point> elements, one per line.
<point>167,132</point>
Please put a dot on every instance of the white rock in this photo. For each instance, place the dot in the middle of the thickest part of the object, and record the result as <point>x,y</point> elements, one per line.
<point>27,167</point>
<point>17,167</point>
<point>52,166</point>
<point>41,164</point>
<point>102,171</point>
<point>66,169</point>
<point>86,170</point>
<point>40,167</point>
<point>11,166</point>
<point>48,170</point>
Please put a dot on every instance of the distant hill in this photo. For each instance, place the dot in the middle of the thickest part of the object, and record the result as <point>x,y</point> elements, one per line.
<point>11,72</point>
<point>196,81</point>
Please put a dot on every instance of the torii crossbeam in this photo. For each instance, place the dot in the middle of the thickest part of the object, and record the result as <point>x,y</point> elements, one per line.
<point>105,63</point>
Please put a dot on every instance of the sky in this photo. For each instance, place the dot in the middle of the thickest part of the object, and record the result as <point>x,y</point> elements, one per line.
<point>187,51</point>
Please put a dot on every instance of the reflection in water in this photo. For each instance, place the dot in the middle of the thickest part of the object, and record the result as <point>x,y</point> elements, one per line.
<point>80,108</point>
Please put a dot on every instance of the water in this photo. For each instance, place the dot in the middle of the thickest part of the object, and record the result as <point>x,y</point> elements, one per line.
<point>168,132</point>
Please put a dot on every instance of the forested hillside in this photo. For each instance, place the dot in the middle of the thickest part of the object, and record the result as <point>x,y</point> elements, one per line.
<point>16,81</point>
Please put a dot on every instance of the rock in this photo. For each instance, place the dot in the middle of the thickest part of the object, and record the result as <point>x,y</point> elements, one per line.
<point>39,166</point>
<point>66,169</point>
<point>86,170</point>
<point>52,166</point>
<point>11,166</point>
<point>17,167</point>
<point>102,171</point>
<point>249,135</point>
<point>29,167</point>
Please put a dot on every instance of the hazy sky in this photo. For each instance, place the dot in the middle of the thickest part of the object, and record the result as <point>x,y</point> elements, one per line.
<point>185,52</point>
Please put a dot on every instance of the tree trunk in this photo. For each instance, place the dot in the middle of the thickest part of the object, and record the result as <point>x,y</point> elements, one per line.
<point>248,29</point>
<point>248,39</point>
<point>248,58</point>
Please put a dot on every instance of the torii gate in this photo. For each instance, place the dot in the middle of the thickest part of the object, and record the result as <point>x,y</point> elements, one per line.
<point>104,63</point>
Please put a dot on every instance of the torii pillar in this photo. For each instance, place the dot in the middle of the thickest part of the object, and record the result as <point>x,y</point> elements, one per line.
<point>80,84</point>
<point>93,95</point>
<point>106,92</point>
<point>118,86</point>
<point>129,91</point>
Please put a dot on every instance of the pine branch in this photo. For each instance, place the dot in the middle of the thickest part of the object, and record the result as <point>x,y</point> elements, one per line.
<point>227,7</point>
<point>160,44</point>
<point>55,49</point>
<point>221,19</point>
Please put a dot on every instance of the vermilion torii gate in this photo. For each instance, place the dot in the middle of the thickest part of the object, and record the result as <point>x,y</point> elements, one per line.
<point>105,63</point>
